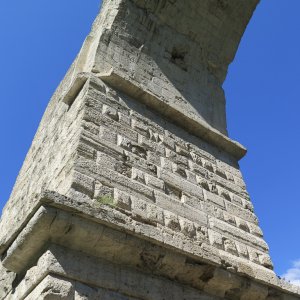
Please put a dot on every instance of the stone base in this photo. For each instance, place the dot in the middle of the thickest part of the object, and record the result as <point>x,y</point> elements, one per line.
<point>64,274</point>
<point>73,250</point>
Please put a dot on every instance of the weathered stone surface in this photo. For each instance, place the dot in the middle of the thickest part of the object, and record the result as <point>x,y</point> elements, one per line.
<point>185,72</point>
<point>98,280</point>
<point>132,188</point>
<point>6,280</point>
<point>95,238</point>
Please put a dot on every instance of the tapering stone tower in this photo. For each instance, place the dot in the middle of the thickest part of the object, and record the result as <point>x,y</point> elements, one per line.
<point>131,188</point>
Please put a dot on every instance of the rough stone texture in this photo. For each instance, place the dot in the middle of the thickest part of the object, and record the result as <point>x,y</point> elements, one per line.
<point>164,176</point>
<point>106,247</point>
<point>131,188</point>
<point>6,279</point>
<point>48,164</point>
<point>177,50</point>
<point>64,279</point>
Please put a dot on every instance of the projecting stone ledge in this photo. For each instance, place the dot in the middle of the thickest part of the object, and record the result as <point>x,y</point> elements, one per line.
<point>191,123</point>
<point>74,247</point>
<point>178,51</point>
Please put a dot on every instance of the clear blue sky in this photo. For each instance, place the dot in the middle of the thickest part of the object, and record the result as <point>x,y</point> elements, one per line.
<point>40,39</point>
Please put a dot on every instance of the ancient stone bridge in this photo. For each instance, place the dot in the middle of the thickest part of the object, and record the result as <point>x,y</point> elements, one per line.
<point>132,188</point>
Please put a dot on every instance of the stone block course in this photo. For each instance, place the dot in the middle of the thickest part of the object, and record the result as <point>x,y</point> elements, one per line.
<point>177,177</point>
<point>132,188</point>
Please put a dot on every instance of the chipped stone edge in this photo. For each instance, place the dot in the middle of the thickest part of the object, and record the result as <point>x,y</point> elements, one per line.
<point>62,268</point>
<point>76,86</point>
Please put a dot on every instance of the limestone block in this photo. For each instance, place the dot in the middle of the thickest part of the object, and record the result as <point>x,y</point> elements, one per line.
<point>52,288</point>
<point>6,279</point>
<point>147,200</point>
<point>122,199</point>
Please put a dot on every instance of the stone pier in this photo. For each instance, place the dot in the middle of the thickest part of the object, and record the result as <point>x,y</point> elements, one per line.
<point>131,189</point>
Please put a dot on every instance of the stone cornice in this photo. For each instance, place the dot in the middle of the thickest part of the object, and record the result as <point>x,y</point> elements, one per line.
<point>75,225</point>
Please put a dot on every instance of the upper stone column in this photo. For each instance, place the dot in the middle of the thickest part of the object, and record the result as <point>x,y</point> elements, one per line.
<point>135,41</point>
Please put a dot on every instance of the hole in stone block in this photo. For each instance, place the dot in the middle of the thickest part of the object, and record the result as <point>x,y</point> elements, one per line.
<point>178,57</point>
<point>222,4</point>
<point>172,191</point>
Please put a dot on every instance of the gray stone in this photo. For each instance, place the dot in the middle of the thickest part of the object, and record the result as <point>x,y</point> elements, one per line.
<point>132,188</point>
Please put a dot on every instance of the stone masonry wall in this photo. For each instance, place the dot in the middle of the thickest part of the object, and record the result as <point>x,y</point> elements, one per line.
<point>136,39</point>
<point>137,131</point>
<point>48,164</point>
<point>177,50</point>
<point>137,162</point>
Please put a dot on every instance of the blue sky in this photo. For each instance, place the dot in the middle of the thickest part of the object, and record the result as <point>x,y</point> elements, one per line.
<point>40,39</point>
